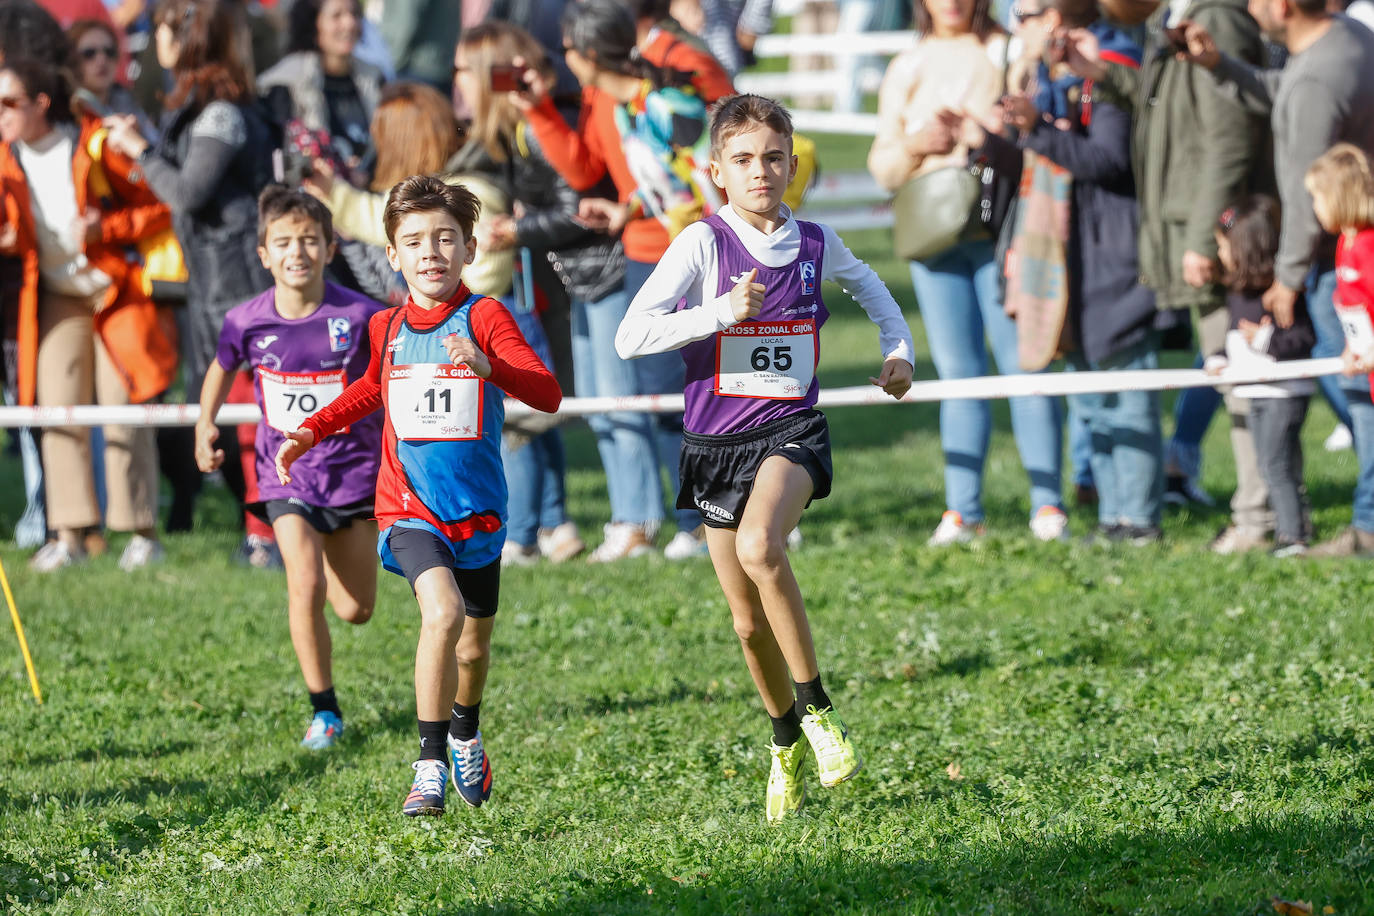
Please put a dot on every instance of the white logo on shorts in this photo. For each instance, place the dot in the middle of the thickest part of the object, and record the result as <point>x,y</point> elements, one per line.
<point>713,510</point>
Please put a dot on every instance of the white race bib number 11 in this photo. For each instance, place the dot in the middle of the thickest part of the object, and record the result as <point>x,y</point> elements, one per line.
<point>773,360</point>
<point>434,402</point>
<point>290,398</point>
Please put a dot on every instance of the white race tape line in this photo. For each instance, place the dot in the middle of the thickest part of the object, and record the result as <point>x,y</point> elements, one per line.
<point>978,389</point>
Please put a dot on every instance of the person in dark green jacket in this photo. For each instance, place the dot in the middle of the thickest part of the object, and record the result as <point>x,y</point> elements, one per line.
<point>1195,150</point>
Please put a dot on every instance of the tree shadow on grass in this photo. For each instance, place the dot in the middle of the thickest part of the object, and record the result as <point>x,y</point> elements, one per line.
<point>1223,869</point>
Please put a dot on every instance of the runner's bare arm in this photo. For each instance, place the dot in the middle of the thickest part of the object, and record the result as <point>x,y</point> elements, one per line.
<point>215,389</point>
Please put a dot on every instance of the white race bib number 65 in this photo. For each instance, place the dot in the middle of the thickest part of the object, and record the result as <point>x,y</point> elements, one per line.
<point>774,360</point>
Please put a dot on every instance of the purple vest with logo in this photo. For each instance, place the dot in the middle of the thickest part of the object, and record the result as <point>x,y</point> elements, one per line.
<point>761,369</point>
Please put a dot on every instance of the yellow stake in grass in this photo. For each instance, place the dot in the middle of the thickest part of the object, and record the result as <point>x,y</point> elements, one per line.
<point>19,631</point>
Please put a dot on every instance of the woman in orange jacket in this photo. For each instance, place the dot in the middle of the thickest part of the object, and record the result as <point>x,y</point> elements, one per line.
<point>87,332</point>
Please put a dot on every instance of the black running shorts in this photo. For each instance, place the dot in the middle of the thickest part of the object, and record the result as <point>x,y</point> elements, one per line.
<point>418,550</point>
<point>324,519</point>
<point>717,472</point>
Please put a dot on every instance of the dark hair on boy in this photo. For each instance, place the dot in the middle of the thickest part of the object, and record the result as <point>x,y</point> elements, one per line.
<point>42,78</point>
<point>1251,227</point>
<point>736,114</point>
<point>424,193</point>
<point>277,201</point>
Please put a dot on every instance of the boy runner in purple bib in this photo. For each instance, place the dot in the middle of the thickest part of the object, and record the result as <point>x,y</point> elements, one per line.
<point>739,295</point>
<point>305,340</point>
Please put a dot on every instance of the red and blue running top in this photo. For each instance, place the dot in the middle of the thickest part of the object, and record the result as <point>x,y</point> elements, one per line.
<point>441,445</point>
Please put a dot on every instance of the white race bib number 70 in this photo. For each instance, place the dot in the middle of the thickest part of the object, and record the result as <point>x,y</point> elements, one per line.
<point>434,402</point>
<point>290,398</point>
<point>773,360</point>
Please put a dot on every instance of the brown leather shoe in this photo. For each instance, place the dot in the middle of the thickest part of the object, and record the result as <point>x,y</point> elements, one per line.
<point>1352,542</point>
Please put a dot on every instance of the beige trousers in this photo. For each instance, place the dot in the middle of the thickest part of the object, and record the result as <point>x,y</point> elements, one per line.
<point>1250,511</point>
<point>73,368</point>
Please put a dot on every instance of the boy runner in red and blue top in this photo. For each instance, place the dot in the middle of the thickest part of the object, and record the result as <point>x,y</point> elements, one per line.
<point>304,341</point>
<point>439,367</point>
<point>738,295</point>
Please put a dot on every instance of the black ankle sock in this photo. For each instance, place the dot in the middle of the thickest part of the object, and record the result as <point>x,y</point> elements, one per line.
<point>811,693</point>
<point>463,725</point>
<point>432,736</point>
<point>325,701</point>
<point>786,728</point>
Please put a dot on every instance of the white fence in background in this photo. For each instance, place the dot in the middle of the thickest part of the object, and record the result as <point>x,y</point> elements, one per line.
<point>834,87</point>
<point>848,200</point>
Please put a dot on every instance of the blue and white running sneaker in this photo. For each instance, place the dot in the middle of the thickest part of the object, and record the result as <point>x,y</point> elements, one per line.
<point>471,769</point>
<point>325,729</point>
<point>427,792</point>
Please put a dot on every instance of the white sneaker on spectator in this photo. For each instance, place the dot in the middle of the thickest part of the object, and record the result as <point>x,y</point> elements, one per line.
<point>1339,440</point>
<point>55,555</point>
<point>687,544</point>
<point>513,554</point>
<point>623,540</point>
<point>562,543</point>
<point>141,552</point>
<point>952,530</point>
<point>1050,524</point>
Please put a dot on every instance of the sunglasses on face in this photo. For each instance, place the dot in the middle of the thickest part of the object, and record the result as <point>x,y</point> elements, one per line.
<point>104,50</point>
<point>11,102</point>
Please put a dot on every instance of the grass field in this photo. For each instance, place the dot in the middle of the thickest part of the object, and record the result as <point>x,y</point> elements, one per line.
<point>1048,728</point>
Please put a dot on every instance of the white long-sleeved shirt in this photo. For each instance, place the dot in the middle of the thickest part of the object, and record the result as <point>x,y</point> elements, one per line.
<point>689,270</point>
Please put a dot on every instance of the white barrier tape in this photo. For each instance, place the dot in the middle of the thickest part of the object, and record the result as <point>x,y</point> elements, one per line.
<point>983,388</point>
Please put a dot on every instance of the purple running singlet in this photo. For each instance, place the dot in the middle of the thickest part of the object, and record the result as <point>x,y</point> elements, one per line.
<point>300,365</point>
<point>763,368</point>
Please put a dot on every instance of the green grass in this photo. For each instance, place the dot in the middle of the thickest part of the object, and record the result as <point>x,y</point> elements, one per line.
<point>1132,731</point>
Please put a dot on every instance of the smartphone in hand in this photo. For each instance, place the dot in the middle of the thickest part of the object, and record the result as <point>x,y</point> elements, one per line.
<point>507,78</point>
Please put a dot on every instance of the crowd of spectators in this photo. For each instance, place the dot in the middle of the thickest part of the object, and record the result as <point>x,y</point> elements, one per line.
<point>1118,156</point>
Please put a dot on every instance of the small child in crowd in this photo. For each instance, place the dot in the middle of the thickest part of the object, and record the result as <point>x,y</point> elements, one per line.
<point>738,294</point>
<point>303,340</point>
<point>1342,190</point>
<point>441,367</point>
<point>1247,242</point>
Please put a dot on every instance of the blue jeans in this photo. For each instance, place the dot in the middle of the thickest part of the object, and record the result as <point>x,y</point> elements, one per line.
<point>662,373</point>
<point>1362,428</point>
<point>534,477</point>
<point>625,441</point>
<point>1080,447</point>
<point>957,295</point>
<point>1127,441</point>
<point>534,472</point>
<point>1193,412</point>
<point>1321,305</point>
